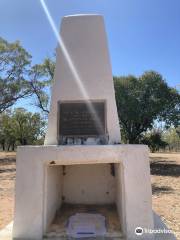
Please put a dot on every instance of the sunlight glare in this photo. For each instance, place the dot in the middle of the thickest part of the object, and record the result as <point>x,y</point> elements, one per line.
<point>71,66</point>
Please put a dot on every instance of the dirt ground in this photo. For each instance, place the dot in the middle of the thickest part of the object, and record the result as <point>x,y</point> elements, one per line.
<point>165,177</point>
<point>7,180</point>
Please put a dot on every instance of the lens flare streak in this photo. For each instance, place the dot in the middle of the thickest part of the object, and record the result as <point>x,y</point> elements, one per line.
<point>71,65</point>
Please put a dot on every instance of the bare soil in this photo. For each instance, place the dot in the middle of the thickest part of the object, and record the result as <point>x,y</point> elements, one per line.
<point>165,177</point>
<point>7,180</point>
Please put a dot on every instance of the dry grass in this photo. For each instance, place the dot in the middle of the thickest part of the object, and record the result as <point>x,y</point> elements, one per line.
<point>7,178</point>
<point>165,176</point>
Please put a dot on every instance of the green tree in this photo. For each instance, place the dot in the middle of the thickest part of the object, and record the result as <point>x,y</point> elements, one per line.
<point>21,127</point>
<point>7,136</point>
<point>19,79</point>
<point>40,79</point>
<point>28,126</point>
<point>14,63</point>
<point>154,140</point>
<point>141,101</point>
<point>172,137</point>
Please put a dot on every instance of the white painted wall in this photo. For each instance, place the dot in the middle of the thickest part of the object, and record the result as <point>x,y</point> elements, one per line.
<point>29,194</point>
<point>32,192</point>
<point>89,184</point>
<point>137,190</point>
<point>53,193</point>
<point>120,196</point>
<point>84,39</point>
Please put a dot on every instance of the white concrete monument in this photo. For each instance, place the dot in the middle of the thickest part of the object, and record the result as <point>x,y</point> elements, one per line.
<point>82,167</point>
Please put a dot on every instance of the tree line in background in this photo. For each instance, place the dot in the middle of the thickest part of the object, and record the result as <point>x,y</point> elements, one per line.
<point>141,101</point>
<point>20,127</point>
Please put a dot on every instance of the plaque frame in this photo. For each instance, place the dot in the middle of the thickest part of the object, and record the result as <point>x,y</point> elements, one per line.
<point>81,101</point>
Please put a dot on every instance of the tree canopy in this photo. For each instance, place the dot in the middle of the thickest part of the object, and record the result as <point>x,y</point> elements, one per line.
<point>40,78</point>
<point>20,79</point>
<point>142,100</point>
<point>20,127</point>
<point>154,140</point>
<point>14,61</point>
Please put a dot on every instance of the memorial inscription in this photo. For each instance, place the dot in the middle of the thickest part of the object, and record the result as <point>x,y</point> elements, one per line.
<point>78,119</point>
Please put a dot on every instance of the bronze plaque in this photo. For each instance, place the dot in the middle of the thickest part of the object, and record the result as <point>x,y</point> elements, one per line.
<point>82,119</point>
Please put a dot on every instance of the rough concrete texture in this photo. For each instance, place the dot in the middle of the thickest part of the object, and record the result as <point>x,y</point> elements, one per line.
<point>42,190</point>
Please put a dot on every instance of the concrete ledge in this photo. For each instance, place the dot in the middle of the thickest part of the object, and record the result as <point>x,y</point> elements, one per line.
<point>80,154</point>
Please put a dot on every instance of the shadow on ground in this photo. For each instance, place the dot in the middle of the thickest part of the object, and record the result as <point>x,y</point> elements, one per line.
<point>7,170</point>
<point>162,167</point>
<point>161,189</point>
<point>7,160</point>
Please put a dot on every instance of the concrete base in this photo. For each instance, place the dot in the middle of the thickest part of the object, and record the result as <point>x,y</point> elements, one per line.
<point>6,233</point>
<point>46,174</point>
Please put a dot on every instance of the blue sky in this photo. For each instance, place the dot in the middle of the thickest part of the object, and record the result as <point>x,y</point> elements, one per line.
<point>142,34</point>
